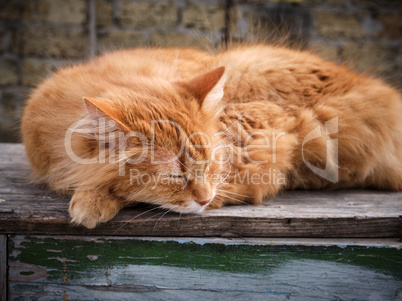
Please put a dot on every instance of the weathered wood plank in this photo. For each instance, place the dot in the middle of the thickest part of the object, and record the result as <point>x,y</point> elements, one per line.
<point>132,292</point>
<point>102,268</point>
<point>350,213</point>
<point>252,241</point>
<point>3,267</point>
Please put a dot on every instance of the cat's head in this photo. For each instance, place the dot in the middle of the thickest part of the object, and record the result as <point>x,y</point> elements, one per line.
<point>163,139</point>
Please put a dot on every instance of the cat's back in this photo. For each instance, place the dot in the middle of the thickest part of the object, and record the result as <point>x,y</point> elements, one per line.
<point>296,78</point>
<point>282,75</point>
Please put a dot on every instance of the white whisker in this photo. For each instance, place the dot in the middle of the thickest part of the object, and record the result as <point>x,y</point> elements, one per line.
<point>133,218</point>
<point>227,175</point>
<point>237,200</point>
<point>236,122</point>
<point>163,216</point>
<point>185,166</point>
<point>156,214</point>
<point>227,191</point>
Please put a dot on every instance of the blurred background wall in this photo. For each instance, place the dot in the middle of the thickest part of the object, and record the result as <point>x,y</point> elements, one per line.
<point>39,36</point>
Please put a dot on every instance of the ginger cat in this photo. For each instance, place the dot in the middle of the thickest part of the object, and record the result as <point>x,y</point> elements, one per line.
<point>188,131</point>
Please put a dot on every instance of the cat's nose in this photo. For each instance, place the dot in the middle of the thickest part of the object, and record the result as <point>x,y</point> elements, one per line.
<point>203,202</point>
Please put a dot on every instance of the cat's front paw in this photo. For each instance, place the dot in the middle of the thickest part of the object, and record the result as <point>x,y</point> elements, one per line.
<point>215,204</point>
<point>89,208</point>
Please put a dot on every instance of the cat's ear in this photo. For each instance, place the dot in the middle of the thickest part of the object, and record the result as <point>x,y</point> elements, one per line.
<point>208,88</point>
<point>100,109</point>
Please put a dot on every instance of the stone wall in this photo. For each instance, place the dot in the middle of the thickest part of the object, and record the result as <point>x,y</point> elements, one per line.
<point>39,36</point>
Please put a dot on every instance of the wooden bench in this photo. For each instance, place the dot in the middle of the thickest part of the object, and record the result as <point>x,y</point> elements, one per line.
<point>42,254</point>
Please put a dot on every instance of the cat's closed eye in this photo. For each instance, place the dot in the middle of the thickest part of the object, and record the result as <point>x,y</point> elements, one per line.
<point>174,178</point>
<point>178,176</point>
<point>182,177</point>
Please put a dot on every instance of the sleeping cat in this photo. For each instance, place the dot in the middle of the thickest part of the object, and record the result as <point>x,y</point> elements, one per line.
<point>187,130</point>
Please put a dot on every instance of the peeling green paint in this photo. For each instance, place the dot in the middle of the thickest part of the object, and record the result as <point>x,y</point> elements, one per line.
<point>80,256</point>
<point>84,268</point>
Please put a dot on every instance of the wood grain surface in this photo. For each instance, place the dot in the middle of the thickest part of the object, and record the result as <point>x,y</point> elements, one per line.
<point>28,208</point>
<point>3,267</point>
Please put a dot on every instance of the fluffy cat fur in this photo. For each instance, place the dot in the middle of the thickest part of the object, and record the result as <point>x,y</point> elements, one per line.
<point>255,106</point>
